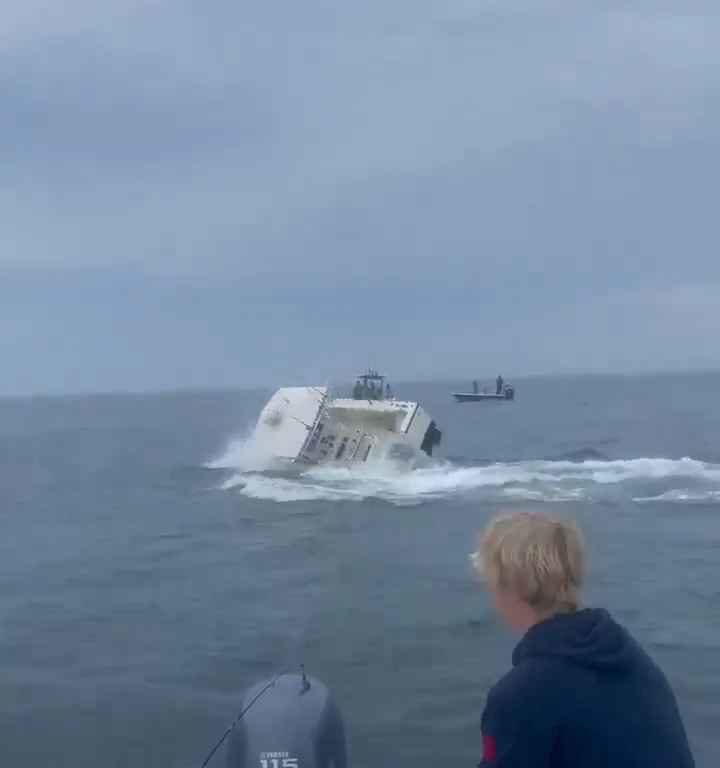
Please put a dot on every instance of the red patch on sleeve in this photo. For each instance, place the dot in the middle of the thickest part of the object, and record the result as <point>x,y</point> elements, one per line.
<point>489,748</point>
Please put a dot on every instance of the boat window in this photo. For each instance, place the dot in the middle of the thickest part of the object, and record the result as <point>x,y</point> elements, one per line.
<point>341,449</point>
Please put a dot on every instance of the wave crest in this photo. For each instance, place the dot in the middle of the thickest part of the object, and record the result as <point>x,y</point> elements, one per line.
<point>533,481</point>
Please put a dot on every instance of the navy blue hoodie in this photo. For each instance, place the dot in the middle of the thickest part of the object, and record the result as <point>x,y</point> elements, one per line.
<point>583,694</point>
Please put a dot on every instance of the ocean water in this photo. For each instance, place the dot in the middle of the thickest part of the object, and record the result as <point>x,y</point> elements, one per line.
<point>150,570</point>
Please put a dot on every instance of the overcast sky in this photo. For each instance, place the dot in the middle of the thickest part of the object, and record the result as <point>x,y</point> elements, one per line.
<point>225,193</point>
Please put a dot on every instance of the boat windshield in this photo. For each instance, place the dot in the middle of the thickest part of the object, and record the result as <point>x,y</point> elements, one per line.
<point>371,386</point>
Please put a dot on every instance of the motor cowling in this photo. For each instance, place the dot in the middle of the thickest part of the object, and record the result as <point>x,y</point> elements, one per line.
<point>294,723</point>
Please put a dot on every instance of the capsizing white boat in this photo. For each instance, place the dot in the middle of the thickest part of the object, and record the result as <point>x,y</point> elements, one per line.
<point>307,425</point>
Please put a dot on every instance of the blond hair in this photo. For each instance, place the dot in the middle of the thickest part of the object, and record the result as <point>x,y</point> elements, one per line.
<point>538,558</point>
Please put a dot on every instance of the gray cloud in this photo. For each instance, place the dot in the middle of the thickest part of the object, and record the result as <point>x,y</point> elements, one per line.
<point>521,159</point>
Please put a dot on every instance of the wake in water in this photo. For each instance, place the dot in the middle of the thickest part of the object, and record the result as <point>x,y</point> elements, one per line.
<point>686,480</point>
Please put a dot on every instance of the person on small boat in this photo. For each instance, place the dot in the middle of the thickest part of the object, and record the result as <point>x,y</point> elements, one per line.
<point>582,691</point>
<point>475,388</point>
<point>357,390</point>
<point>499,385</point>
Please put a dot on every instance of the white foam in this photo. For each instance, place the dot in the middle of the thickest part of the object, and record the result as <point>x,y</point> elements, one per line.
<point>246,454</point>
<point>536,481</point>
<point>684,495</point>
<point>282,490</point>
<point>607,472</point>
<point>550,495</point>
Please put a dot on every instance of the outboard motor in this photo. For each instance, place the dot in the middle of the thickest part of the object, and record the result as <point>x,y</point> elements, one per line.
<point>433,436</point>
<point>289,722</point>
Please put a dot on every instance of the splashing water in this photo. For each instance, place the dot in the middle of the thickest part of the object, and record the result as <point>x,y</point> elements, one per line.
<point>643,479</point>
<point>247,454</point>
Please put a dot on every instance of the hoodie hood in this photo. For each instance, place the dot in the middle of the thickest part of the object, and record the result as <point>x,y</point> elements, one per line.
<point>588,638</point>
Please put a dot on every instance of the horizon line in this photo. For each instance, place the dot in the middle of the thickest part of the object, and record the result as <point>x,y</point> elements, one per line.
<point>203,389</point>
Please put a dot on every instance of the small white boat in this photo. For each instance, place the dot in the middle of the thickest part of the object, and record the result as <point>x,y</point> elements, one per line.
<point>307,425</point>
<point>502,392</point>
<point>478,397</point>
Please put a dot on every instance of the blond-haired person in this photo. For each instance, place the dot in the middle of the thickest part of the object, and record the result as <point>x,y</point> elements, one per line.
<point>582,693</point>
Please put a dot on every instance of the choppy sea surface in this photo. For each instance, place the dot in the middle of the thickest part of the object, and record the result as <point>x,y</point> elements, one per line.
<point>151,567</point>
